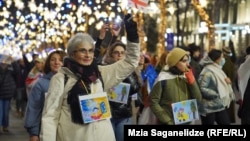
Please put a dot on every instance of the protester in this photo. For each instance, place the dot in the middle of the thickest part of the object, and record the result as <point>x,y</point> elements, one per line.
<point>62,119</point>
<point>30,64</point>
<point>32,121</point>
<point>7,91</point>
<point>21,74</point>
<point>243,73</point>
<point>161,62</point>
<point>195,54</point>
<point>148,74</point>
<point>175,83</point>
<point>244,86</point>
<point>122,112</point>
<point>229,69</point>
<point>35,73</point>
<point>216,89</point>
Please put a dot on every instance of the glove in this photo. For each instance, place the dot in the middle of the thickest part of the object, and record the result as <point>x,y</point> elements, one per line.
<point>190,77</point>
<point>131,29</point>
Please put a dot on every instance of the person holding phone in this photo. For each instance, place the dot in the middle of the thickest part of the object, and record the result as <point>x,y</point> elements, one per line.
<point>62,119</point>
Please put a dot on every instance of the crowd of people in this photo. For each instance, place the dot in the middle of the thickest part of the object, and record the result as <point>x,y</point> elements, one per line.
<point>47,90</point>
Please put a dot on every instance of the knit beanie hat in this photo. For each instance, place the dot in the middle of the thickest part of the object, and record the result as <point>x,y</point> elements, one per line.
<point>175,56</point>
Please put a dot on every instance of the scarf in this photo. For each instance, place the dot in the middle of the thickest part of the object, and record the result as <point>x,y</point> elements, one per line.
<point>225,90</point>
<point>87,75</point>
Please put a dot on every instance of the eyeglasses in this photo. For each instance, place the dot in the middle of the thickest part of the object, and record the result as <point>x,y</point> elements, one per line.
<point>84,51</point>
<point>118,52</point>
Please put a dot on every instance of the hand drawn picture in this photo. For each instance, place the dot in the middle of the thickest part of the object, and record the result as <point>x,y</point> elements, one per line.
<point>185,111</point>
<point>119,93</point>
<point>94,107</point>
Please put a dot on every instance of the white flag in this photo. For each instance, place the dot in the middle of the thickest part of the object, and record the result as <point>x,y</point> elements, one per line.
<point>139,4</point>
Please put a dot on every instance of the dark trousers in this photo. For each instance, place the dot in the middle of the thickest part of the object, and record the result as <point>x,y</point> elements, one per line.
<point>221,118</point>
<point>21,99</point>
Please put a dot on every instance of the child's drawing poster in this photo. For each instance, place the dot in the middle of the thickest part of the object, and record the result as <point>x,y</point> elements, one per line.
<point>185,111</point>
<point>119,93</point>
<point>94,107</point>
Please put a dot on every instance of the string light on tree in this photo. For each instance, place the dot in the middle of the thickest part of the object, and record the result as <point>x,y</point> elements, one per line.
<point>205,17</point>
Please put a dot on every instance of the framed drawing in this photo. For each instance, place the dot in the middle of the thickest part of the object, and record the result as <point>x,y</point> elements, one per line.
<point>185,111</point>
<point>94,107</point>
<point>119,93</point>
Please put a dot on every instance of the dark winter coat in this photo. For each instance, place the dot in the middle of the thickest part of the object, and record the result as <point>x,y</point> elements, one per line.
<point>7,83</point>
<point>120,110</point>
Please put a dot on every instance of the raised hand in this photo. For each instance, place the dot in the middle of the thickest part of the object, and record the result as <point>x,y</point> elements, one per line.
<point>131,29</point>
<point>103,30</point>
<point>115,29</point>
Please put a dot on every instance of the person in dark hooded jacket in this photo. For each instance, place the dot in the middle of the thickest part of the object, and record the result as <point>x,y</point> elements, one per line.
<point>7,91</point>
<point>122,113</point>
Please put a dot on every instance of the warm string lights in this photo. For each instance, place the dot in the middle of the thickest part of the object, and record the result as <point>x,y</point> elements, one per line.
<point>162,28</point>
<point>25,25</point>
<point>205,17</point>
<point>141,32</point>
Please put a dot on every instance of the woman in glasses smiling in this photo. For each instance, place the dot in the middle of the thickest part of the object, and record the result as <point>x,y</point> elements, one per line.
<point>62,118</point>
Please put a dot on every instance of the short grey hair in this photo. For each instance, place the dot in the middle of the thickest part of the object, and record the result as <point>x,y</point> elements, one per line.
<point>76,40</point>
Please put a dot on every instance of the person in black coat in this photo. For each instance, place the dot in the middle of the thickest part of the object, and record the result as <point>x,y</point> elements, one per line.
<point>7,91</point>
<point>20,75</point>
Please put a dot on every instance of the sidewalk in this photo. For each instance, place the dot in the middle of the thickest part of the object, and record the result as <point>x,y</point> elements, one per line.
<point>16,130</point>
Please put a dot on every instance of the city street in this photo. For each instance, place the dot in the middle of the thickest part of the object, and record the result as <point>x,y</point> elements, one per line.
<point>16,130</point>
<point>193,44</point>
<point>18,133</point>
